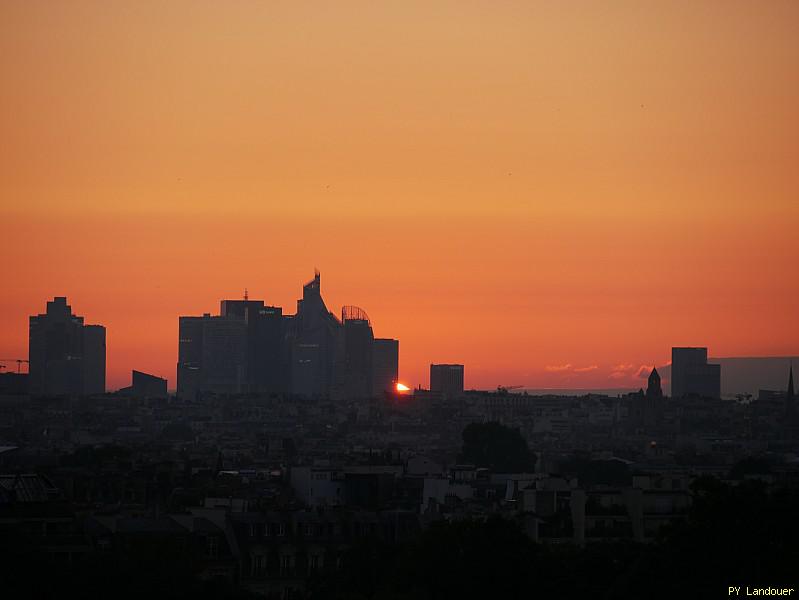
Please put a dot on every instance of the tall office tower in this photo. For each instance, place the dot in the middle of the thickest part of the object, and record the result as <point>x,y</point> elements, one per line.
<point>316,344</point>
<point>385,366</point>
<point>212,355</point>
<point>268,366</point>
<point>238,351</point>
<point>190,355</point>
<point>93,359</point>
<point>447,379</point>
<point>358,352</point>
<point>691,375</point>
<point>66,356</point>
<point>245,311</point>
<point>224,357</point>
<point>264,343</point>
<point>790,400</point>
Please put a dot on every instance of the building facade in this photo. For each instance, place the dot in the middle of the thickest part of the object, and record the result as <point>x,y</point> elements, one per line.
<point>447,379</point>
<point>691,375</point>
<point>66,356</point>
<point>385,366</point>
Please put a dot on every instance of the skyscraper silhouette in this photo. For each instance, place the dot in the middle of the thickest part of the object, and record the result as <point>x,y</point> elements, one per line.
<point>66,356</point>
<point>691,375</point>
<point>385,366</point>
<point>447,379</point>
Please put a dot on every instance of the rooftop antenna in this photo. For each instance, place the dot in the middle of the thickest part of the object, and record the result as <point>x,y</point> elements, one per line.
<point>246,297</point>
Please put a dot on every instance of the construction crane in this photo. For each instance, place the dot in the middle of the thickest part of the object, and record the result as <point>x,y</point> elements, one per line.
<point>504,389</point>
<point>19,362</point>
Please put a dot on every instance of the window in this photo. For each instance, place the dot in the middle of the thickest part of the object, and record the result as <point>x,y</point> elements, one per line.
<point>252,529</point>
<point>257,564</point>
<point>212,546</point>
<point>313,563</point>
<point>281,529</point>
<point>285,564</point>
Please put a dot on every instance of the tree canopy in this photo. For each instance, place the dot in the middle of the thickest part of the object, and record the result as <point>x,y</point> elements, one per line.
<point>497,447</point>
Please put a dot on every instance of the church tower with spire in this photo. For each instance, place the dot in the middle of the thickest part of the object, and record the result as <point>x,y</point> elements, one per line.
<point>653,389</point>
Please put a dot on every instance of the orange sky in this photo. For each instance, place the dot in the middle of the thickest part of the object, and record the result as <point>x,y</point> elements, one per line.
<point>531,188</point>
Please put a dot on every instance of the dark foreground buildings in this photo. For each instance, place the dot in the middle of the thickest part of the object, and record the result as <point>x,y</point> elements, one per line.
<point>66,356</point>
<point>251,347</point>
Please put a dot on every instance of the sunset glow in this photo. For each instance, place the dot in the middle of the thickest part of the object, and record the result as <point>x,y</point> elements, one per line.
<point>550,196</point>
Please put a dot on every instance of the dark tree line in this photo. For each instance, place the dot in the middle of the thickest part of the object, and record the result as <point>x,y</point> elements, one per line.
<point>500,448</point>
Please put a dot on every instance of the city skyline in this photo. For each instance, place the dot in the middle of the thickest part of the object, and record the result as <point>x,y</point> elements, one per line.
<point>265,356</point>
<point>539,192</point>
<point>399,299</point>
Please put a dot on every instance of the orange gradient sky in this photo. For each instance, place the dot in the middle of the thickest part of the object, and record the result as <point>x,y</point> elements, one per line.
<point>553,193</point>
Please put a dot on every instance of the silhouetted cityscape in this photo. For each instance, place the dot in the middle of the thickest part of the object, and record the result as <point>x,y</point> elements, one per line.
<point>250,347</point>
<point>549,350</point>
<point>290,454</point>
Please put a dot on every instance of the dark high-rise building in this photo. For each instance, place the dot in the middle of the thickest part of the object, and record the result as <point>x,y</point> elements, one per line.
<point>190,355</point>
<point>224,356</point>
<point>212,355</point>
<point>66,356</point>
<point>691,375</point>
<point>385,366</point>
<point>268,362</point>
<point>358,352</point>
<point>265,341</point>
<point>238,351</point>
<point>447,379</point>
<point>94,359</point>
<point>317,348</point>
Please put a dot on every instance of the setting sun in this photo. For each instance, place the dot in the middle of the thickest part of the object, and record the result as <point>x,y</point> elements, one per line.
<point>401,387</point>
